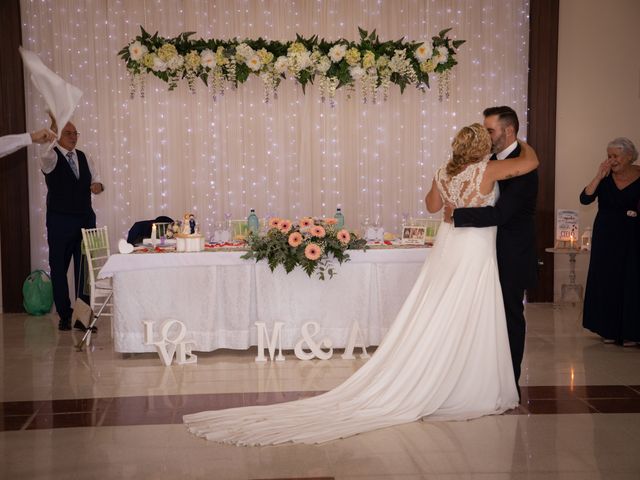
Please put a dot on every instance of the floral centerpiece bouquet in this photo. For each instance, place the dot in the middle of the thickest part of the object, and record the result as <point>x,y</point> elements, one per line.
<point>312,244</point>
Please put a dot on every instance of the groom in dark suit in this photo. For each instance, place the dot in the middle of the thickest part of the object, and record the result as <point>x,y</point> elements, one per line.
<point>513,214</point>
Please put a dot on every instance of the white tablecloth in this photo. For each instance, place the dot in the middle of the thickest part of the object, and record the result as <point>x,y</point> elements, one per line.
<point>219,297</point>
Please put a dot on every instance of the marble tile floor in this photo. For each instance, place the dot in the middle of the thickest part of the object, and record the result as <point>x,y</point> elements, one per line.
<point>99,414</point>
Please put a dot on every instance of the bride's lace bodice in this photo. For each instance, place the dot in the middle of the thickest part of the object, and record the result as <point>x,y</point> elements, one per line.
<point>463,189</point>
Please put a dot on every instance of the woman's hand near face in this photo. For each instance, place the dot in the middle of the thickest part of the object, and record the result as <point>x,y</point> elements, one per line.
<point>604,169</point>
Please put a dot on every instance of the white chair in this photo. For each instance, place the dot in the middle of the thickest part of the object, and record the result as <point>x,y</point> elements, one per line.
<point>95,242</point>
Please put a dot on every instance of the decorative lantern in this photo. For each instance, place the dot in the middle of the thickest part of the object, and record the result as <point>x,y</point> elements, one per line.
<point>585,240</point>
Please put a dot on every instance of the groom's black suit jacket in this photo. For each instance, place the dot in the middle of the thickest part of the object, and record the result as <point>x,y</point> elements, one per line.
<point>513,214</point>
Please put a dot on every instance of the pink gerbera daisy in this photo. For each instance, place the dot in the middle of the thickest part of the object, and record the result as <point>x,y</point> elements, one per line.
<point>284,226</point>
<point>273,222</point>
<point>317,231</point>
<point>295,239</point>
<point>306,222</point>
<point>312,251</point>
<point>330,221</point>
<point>343,236</point>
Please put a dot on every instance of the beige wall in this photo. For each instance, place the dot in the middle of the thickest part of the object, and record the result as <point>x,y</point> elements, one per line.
<point>598,98</point>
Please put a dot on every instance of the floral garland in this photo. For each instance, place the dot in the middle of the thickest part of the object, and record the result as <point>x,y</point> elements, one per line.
<point>307,245</point>
<point>333,65</point>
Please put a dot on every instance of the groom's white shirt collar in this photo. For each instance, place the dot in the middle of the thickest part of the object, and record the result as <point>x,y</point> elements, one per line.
<point>507,151</point>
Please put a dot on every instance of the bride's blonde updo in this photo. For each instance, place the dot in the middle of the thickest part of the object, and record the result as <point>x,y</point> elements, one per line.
<point>471,144</point>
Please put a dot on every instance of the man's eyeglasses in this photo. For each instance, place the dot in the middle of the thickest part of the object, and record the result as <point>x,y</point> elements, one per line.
<point>71,134</point>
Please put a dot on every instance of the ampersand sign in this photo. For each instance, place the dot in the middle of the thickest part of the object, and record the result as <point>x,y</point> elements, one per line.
<point>316,348</point>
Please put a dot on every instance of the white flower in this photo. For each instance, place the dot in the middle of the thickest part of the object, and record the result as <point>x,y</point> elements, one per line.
<point>158,65</point>
<point>282,64</point>
<point>254,63</point>
<point>442,54</point>
<point>208,58</point>
<point>399,61</point>
<point>175,63</point>
<point>245,52</point>
<point>356,72</point>
<point>137,51</point>
<point>337,52</point>
<point>323,64</point>
<point>304,60</point>
<point>299,61</point>
<point>423,52</point>
<point>315,56</point>
<point>382,61</point>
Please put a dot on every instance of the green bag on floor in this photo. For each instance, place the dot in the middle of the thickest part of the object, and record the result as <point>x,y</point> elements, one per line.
<point>37,293</point>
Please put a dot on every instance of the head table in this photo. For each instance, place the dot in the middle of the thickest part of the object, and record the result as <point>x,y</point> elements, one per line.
<point>219,297</point>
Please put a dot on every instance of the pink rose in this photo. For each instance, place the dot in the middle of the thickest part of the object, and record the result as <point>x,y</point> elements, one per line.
<point>317,231</point>
<point>273,222</point>
<point>343,236</point>
<point>312,251</point>
<point>295,239</point>
<point>284,226</point>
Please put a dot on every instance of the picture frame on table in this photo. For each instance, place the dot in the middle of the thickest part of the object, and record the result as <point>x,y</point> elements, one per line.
<point>240,229</point>
<point>414,234</point>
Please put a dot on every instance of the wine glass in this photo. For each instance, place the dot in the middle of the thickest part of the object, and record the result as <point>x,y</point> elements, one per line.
<point>404,221</point>
<point>378,231</point>
<point>218,229</point>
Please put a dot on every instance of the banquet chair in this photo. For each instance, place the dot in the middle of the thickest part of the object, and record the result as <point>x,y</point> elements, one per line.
<point>95,242</point>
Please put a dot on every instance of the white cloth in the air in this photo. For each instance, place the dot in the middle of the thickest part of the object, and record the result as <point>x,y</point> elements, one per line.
<point>60,96</point>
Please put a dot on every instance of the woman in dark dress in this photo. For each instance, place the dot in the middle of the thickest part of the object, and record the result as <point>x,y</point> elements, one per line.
<point>612,297</point>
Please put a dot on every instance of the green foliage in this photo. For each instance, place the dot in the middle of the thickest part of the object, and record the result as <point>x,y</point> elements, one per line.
<point>242,73</point>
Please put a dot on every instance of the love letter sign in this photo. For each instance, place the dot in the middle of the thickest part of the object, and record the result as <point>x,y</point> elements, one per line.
<point>168,347</point>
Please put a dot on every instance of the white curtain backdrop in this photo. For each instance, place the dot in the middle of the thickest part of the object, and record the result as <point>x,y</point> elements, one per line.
<point>175,152</point>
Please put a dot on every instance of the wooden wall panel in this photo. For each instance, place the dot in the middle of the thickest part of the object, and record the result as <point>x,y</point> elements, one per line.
<point>14,187</point>
<point>543,81</point>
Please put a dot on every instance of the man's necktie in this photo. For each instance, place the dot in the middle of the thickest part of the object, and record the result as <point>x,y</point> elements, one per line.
<point>73,164</point>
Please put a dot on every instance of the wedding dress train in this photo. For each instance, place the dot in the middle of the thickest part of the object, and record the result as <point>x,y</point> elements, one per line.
<point>445,357</point>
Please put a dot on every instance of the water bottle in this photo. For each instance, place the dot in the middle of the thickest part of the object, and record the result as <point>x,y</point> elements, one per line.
<point>339,218</point>
<point>253,223</point>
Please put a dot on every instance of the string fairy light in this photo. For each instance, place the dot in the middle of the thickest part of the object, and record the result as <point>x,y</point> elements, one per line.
<point>173,152</point>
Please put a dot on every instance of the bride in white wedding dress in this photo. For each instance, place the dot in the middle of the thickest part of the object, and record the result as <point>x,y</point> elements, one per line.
<point>445,357</point>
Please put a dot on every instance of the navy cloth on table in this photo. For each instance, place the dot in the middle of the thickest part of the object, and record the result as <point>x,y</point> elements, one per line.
<point>142,229</point>
<point>612,296</point>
